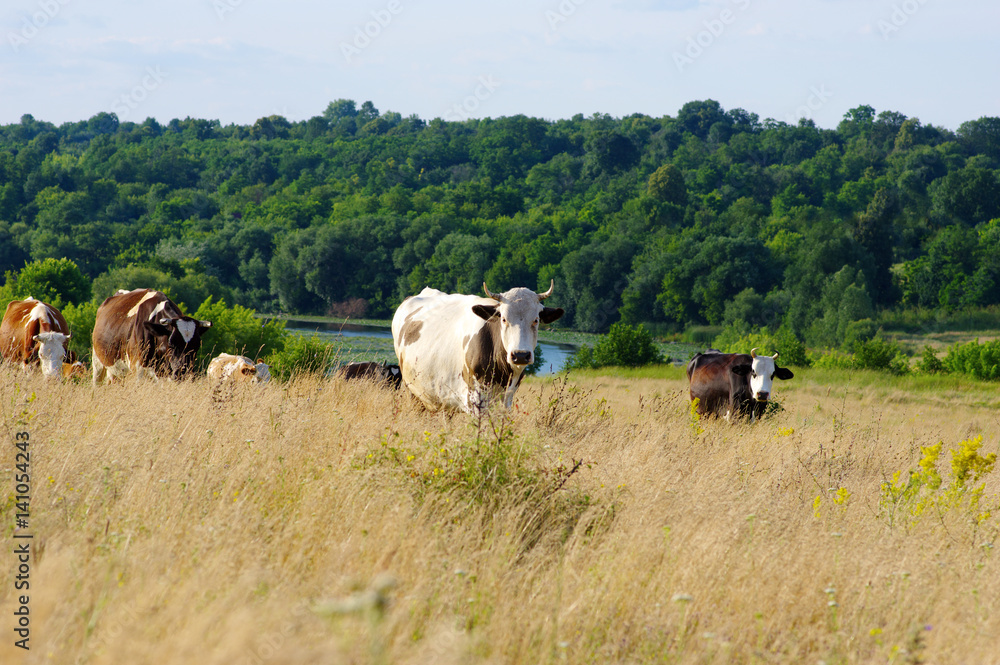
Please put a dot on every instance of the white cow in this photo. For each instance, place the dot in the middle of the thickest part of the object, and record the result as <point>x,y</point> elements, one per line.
<point>456,351</point>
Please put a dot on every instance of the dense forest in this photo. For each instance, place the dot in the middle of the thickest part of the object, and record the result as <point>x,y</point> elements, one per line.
<point>709,217</point>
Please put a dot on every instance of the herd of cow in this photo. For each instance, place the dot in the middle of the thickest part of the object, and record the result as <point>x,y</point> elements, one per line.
<point>456,352</point>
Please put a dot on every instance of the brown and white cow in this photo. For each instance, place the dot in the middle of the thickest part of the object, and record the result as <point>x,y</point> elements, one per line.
<point>738,383</point>
<point>35,332</point>
<point>456,351</point>
<point>74,370</point>
<point>145,333</point>
<point>238,369</point>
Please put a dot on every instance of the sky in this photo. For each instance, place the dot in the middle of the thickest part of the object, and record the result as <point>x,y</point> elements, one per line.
<point>239,60</point>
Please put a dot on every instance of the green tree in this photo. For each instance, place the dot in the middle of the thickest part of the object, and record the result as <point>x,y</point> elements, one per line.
<point>55,281</point>
<point>667,185</point>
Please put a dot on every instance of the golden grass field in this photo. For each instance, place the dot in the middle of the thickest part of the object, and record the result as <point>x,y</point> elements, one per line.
<point>327,522</point>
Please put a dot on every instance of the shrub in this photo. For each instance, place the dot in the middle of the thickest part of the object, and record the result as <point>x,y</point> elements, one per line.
<point>861,330</point>
<point>789,348</point>
<point>55,281</point>
<point>881,355</point>
<point>980,361</point>
<point>582,358</point>
<point>623,346</point>
<point>923,491</point>
<point>300,355</point>
<point>929,363</point>
<point>832,360</point>
<point>81,324</point>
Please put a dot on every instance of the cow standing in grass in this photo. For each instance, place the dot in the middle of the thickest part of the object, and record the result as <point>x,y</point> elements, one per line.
<point>457,351</point>
<point>35,332</point>
<point>738,383</point>
<point>372,371</point>
<point>143,332</point>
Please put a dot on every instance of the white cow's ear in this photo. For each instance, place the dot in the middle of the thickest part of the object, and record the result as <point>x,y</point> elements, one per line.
<point>485,312</point>
<point>550,314</point>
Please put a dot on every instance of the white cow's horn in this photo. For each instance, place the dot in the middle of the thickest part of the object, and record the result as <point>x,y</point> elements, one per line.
<point>775,356</point>
<point>543,296</point>
<point>753,352</point>
<point>490,295</point>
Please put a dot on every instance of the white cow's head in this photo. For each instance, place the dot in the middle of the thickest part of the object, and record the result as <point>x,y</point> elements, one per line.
<point>762,373</point>
<point>51,352</point>
<point>519,310</point>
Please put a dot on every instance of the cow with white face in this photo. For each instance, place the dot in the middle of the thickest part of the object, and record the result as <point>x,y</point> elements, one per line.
<point>457,351</point>
<point>143,332</point>
<point>736,383</point>
<point>762,373</point>
<point>35,333</point>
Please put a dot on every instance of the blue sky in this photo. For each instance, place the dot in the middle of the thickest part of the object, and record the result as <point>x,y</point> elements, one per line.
<point>238,60</point>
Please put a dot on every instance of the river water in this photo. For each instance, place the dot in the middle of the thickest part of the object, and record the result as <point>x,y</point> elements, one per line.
<point>554,356</point>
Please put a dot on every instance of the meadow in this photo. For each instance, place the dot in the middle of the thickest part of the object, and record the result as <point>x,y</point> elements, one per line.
<point>598,522</point>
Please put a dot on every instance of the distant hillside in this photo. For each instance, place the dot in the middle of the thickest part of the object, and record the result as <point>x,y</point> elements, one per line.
<point>708,217</point>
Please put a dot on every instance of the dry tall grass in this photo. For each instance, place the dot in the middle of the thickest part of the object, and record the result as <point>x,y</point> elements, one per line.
<point>177,525</point>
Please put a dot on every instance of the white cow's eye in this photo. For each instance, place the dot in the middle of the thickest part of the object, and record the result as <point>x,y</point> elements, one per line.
<point>753,374</point>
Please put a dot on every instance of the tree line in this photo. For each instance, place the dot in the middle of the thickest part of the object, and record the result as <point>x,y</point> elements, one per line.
<point>709,217</point>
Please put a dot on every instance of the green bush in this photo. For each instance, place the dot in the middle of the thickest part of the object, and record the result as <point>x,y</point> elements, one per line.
<point>830,359</point>
<point>861,330</point>
<point>301,355</point>
<point>236,330</point>
<point>623,346</point>
<point>582,358</point>
<point>186,291</point>
<point>81,324</point>
<point>791,351</point>
<point>57,282</point>
<point>701,334</point>
<point>929,363</point>
<point>980,361</point>
<point>881,355</point>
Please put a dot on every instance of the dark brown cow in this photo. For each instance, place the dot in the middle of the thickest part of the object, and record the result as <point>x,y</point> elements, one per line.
<point>738,383</point>
<point>378,372</point>
<point>144,332</point>
<point>35,332</point>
